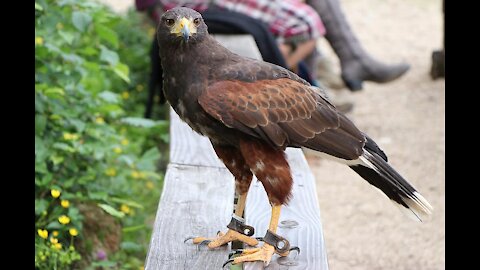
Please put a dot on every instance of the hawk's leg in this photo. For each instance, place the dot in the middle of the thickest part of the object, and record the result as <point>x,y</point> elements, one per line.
<point>237,230</point>
<point>272,169</point>
<point>273,244</point>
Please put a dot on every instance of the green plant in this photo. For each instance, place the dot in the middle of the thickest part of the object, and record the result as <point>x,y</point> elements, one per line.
<point>91,145</point>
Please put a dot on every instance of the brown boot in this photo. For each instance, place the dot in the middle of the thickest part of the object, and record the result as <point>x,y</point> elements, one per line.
<point>357,65</point>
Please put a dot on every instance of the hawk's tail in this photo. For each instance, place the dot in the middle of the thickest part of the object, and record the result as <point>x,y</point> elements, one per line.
<point>375,169</point>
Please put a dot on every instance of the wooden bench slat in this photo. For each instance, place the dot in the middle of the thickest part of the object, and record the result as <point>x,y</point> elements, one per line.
<point>196,201</point>
<point>187,147</point>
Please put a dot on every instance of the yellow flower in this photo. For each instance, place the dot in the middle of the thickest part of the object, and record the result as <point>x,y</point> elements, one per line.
<point>53,240</point>
<point>73,232</point>
<point>124,142</point>
<point>70,136</point>
<point>151,31</point>
<point>59,26</point>
<point>64,219</point>
<point>125,209</point>
<point>39,40</point>
<point>42,233</point>
<point>58,246</point>
<point>150,185</point>
<point>55,233</point>
<point>55,193</point>
<point>125,95</point>
<point>99,120</point>
<point>117,150</point>
<point>135,174</point>
<point>111,172</point>
<point>65,203</point>
<point>140,87</point>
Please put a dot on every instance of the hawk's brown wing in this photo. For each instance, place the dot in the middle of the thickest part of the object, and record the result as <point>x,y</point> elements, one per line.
<point>283,112</point>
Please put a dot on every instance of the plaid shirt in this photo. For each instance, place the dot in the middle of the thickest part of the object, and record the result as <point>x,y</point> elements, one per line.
<point>291,21</point>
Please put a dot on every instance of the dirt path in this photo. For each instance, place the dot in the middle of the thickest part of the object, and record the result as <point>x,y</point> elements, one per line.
<point>363,230</point>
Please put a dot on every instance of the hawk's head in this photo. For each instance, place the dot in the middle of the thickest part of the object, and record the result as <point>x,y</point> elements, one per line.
<point>181,24</point>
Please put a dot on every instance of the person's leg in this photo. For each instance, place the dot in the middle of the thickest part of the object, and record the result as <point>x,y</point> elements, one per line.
<point>357,65</point>
<point>300,53</point>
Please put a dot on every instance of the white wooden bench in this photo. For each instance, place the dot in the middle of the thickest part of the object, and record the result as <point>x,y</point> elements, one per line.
<point>198,195</point>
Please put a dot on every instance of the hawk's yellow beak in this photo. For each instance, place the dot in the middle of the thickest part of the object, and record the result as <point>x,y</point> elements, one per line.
<point>184,28</point>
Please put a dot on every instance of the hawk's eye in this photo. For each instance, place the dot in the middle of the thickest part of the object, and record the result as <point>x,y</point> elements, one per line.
<point>196,21</point>
<point>169,22</point>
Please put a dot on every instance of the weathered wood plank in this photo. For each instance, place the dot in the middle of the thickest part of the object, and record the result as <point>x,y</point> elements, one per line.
<point>189,147</point>
<point>198,194</point>
<point>196,201</point>
<point>300,221</point>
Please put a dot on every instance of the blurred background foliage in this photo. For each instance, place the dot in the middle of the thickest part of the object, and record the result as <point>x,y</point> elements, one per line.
<point>97,174</point>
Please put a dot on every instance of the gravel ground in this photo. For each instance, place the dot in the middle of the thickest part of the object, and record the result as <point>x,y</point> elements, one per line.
<point>363,230</point>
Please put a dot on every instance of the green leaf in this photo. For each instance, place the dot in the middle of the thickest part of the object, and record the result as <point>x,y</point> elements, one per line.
<point>107,34</point>
<point>41,152</point>
<point>81,20</point>
<point>78,124</point>
<point>54,225</point>
<point>148,160</point>
<point>127,202</point>
<point>45,180</point>
<point>122,71</point>
<point>38,7</point>
<point>40,166</point>
<point>109,97</point>
<point>139,122</point>
<point>73,213</point>
<point>111,110</point>
<point>54,92</point>
<point>40,123</point>
<point>99,195</point>
<point>165,137</point>
<point>133,228</point>
<point>127,159</point>
<point>56,159</point>
<point>89,51</point>
<point>64,147</point>
<point>67,36</point>
<point>112,211</point>
<point>104,264</point>
<point>153,175</point>
<point>130,246</point>
<point>108,56</point>
<point>67,2</point>
<point>40,206</point>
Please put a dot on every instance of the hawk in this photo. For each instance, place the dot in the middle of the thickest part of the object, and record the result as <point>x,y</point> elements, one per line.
<point>251,111</point>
